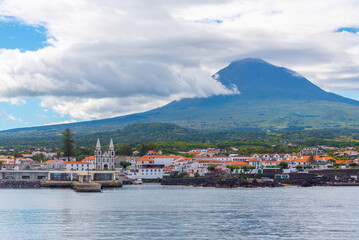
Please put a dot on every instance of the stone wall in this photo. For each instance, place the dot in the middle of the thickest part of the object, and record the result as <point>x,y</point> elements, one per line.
<point>11,183</point>
<point>219,181</point>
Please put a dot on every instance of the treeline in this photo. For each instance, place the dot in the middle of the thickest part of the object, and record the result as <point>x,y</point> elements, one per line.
<point>173,138</point>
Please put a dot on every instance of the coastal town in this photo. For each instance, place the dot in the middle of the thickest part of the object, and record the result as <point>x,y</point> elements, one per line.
<point>104,164</point>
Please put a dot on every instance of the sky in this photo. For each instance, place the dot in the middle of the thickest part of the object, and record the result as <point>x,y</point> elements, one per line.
<point>66,61</point>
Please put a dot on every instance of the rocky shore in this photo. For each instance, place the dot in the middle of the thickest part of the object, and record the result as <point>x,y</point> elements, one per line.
<point>220,182</point>
<point>343,177</point>
<point>10,183</point>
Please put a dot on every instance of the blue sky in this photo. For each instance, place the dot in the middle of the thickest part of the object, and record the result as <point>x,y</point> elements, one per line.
<point>14,35</point>
<point>79,60</point>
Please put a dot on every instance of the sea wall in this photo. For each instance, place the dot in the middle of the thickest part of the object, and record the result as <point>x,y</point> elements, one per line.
<point>11,183</point>
<point>218,181</point>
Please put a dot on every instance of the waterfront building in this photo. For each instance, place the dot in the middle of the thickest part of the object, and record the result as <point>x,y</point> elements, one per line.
<point>311,151</point>
<point>55,164</point>
<point>78,166</point>
<point>104,160</point>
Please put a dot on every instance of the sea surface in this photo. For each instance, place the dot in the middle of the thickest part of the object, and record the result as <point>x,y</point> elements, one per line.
<point>152,211</point>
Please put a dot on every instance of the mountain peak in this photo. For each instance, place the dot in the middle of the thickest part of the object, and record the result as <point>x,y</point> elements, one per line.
<point>257,79</point>
<point>250,60</point>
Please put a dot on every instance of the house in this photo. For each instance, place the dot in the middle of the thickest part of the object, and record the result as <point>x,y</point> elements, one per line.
<point>132,160</point>
<point>269,163</point>
<point>349,153</point>
<point>222,158</point>
<point>148,171</point>
<point>78,166</point>
<point>11,166</point>
<point>152,152</point>
<point>311,151</point>
<point>56,165</point>
<point>240,158</point>
<point>144,161</point>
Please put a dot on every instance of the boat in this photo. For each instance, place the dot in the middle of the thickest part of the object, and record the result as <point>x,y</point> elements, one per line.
<point>138,181</point>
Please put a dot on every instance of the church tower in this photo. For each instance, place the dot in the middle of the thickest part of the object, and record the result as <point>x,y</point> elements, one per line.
<point>111,153</point>
<point>98,155</point>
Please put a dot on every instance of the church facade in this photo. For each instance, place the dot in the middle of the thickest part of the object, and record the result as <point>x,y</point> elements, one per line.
<point>104,160</point>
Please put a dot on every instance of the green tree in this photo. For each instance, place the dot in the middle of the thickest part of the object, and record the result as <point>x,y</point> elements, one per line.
<point>125,164</point>
<point>17,154</point>
<point>196,174</point>
<point>232,168</point>
<point>143,149</point>
<point>283,165</point>
<point>311,160</point>
<point>126,149</point>
<point>68,143</point>
<point>40,157</point>
<point>353,165</point>
<point>211,167</point>
<point>152,146</point>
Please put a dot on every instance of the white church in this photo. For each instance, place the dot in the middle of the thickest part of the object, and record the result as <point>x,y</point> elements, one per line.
<point>106,160</point>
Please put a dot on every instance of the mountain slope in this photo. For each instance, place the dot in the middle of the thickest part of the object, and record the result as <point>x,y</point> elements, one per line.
<point>270,97</point>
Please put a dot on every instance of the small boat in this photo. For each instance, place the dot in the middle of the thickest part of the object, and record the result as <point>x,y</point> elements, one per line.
<point>138,181</point>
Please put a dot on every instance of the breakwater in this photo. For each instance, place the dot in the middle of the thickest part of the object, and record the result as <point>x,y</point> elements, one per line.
<point>10,183</point>
<point>13,183</point>
<point>220,182</point>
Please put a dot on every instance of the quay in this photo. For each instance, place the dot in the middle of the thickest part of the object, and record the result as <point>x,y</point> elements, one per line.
<point>80,181</point>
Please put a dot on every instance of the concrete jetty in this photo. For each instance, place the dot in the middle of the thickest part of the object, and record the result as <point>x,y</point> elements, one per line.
<point>86,187</point>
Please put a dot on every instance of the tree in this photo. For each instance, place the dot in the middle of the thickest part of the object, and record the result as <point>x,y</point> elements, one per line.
<point>126,149</point>
<point>311,160</point>
<point>196,174</point>
<point>299,167</point>
<point>283,165</point>
<point>231,167</point>
<point>152,146</point>
<point>125,164</point>
<point>211,167</point>
<point>17,155</point>
<point>68,143</point>
<point>143,149</point>
<point>353,165</point>
<point>40,157</point>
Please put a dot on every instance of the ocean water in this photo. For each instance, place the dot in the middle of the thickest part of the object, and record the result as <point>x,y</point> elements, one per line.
<point>152,211</point>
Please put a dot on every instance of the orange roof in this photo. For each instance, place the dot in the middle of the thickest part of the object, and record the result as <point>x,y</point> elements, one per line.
<point>253,160</point>
<point>239,164</point>
<point>77,163</point>
<point>47,162</point>
<point>300,160</point>
<point>267,161</point>
<point>162,156</point>
<point>230,162</point>
<point>144,159</point>
<point>90,158</point>
<point>342,161</point>
<point>168,169</point>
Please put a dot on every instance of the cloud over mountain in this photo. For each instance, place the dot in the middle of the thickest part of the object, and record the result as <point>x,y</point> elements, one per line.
<point>109,58</point>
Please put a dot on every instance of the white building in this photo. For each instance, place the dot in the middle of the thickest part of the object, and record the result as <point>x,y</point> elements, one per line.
<point>106,160</point>
<point>78,166</point>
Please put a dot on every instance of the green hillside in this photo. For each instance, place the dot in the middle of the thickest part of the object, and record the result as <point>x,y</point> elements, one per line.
<point>267,98</point>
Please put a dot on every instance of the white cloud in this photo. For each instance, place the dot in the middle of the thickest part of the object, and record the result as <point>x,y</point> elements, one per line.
<point>9,116</point>
<point>13,101</point>
<point>61,122</point>
<point>109,58</point>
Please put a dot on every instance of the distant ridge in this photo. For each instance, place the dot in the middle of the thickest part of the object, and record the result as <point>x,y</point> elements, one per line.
<point>270,98</point>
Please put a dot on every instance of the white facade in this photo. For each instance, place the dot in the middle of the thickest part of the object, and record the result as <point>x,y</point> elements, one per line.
<point>78,166</point>
<point>148,173</point>
<point>106,160</point>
